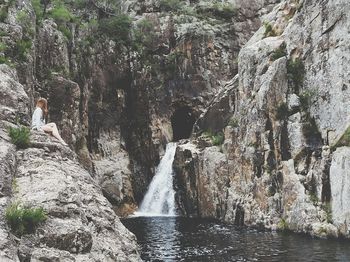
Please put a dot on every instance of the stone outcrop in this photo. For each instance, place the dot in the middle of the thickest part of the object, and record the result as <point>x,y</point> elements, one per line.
<point>113,100</point>
<point>8,252</point>
<point>339,183</point>
<point>81,224</point>
<point>281,164</point>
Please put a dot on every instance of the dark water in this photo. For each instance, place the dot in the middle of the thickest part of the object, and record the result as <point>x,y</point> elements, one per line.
<point>184,239</point>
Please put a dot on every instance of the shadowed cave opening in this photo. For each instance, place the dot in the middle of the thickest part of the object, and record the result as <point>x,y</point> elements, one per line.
<point>182,122</point>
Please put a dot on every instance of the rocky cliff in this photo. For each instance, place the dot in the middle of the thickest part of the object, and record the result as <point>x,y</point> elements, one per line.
<point>124,78</point>
<point>120,78</point>
<point>81,224</point>
<point>254,90</point>
<point>283,160</point>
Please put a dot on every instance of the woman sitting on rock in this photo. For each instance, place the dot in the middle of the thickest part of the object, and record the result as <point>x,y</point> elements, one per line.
<point>38,120</point>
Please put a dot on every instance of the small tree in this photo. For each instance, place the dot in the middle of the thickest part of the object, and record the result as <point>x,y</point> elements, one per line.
<point>116,28</point>
<point>20,136</point>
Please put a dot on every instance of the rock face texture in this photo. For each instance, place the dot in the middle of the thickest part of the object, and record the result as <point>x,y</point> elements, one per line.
<point>269,78</point>
<point>283,161</point>
<point>339,182</point>
<point>81,224</point>
<point>124,93</point>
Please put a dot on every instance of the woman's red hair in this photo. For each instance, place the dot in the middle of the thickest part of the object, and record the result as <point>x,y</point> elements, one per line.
<point>42,103</point>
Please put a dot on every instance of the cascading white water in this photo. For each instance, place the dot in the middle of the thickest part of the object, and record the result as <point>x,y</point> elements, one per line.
<point>160,197</point>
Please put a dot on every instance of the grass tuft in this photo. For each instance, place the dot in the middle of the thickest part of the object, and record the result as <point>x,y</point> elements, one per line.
<point>279,52</point>
<point>217,139</point>
<point>20,136</point>
<point>24,220</point>
<point>296,72</point>
<point>283,225</point>
<point>269,31</point>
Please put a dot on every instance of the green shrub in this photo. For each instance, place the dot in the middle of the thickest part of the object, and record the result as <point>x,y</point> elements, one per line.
<point>62,17</point>
<point>217,138</point>
<point>11,2</point>
<point>283,225</point>
<point>144,35</point>
<point>23,18</point>
<point>5,60</point>
<point>65,31</point>
<point>328,209</point>
<point>39,10</point>
<point>116,28</point>
<point>61,14</point>
<point>218,10</point>
<point>2,33</point>
<point>279,52</point>
<point>269,31</point>
<point>170,5</point>
<point>24,220</point>
<point>3,47</point>
<point>3,14</point>
<point>300,6</point>
<point>226,10</point>
<point>20,136</point>
<point>282,111</point>
<point>4,9</point>
<point>188,11</point>
<point>22,48</point>
<point>207,134</point>
<point>296,72</point>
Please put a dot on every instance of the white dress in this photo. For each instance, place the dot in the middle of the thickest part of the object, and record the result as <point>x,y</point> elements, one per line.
<point>38,120</point>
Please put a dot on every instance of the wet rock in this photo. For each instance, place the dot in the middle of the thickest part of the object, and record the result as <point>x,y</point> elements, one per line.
<point>278,164</point>
<point>199,191</point>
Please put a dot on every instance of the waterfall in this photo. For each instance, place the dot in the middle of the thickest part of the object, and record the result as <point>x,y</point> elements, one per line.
<point>160,197</point>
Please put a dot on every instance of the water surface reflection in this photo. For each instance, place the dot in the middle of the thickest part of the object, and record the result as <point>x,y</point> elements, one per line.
<point>186,239</point>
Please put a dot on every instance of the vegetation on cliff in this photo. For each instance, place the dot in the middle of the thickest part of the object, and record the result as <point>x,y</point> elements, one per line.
<point>24,219</point>
<point>20,136</point>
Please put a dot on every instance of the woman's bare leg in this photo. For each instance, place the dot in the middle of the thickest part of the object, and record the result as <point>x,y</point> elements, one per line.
<point>52,128</point>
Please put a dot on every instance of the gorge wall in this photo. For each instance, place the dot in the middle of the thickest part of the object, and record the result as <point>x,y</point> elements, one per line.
<point>283,161</point>
<point>121,76</point>
<point>267,77</point>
